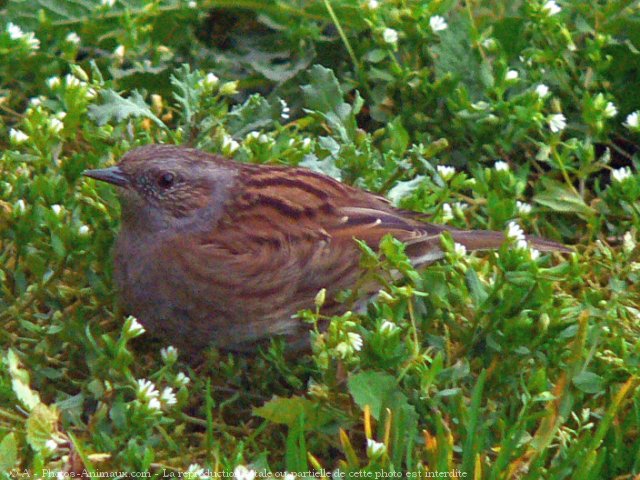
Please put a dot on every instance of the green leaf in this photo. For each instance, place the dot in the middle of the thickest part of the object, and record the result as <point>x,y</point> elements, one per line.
<point>589,382</point>
<point>278,66</point>
<point>20,382</point>
<point>117,108</point>
<point>398,136</point>
<point>403,189</point>
<point>324,97</point>
<point>476,288</point>
<point>28,13</point>
<point>186,93</point>
<point>453,56</point>
<point>287,411</point>
<point>8,452</point>
<point>326,166</point>
<point>41,425</point>
<point>254,114</point>
<point>508,31</point>
<point>296,453</point>
<point>373,389</point>
<point>560,198</point>
<point>380,391</point>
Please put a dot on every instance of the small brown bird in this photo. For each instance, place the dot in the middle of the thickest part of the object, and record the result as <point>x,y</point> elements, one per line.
<point>214,252</point>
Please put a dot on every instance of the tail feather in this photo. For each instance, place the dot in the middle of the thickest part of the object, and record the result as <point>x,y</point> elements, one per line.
<point>428,250</point>
<point>486,240</point>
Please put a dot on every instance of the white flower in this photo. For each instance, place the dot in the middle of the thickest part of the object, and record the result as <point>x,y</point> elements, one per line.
<point>343,349</point>
<point>53,82</point>
<point>195,471</point>
<point>511,75</point>
<point>210,81</point>
<point>489,43</point>
<point>57,209</point>
<point>542,90</point>
<point>628,243</point>
<point>55,125</point>
<point>169,354</point>
<point>91,93</point>
<point>446,172</point>
<point>73,38</point>
<point>372,4</point>
<point>84,230</point>
<point>501,166</point>
<point>523,208</point>
<point>17,136</point>
<point>119,51</point>
<point>610,110</point>
<point>20,207</point>
<point>557,122</point>
<point>51,445</point>
<point>14,31</point>
<point>459,249</point>
<point>154,404</point>
<point>633,120</point>
<point>192,4</point>
<point>108,3</point>
<point>229,145</point>
<point>35,101</point>
<point>71,81</point>
<point>147,390</point>
<point>621,174</point>
<point>132,327</point>
<point>438,23</point>
<point>375,449</point>
<point>263,138</point>
<point>253,135</point>
<point>447,213</point>
<point>514,231</point>
<point>306,143</point>
<point>535,254</point>
<point>182,379</point>
<point>243,473</point>
<point>551,8</point>
<point>32,42</point>
<point>286,111</point>
<point>355,341</point>
<point>480,105</point>
<point>387,327</point>
<point>390,36</point>
<point>168,397</point>
<point>383,296</point>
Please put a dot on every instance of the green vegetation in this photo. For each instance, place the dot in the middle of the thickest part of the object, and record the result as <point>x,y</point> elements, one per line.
<point>499,365</point>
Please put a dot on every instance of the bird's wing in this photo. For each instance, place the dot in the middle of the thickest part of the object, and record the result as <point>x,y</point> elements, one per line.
<point>289,209</point>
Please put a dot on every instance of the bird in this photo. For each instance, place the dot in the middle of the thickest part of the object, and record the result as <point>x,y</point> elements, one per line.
<point>214,252</point>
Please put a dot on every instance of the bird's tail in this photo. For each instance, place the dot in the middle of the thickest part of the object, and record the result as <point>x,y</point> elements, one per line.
<point>428,249</point>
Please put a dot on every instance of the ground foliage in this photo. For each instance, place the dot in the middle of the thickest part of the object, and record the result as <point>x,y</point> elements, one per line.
<point>500,365</point>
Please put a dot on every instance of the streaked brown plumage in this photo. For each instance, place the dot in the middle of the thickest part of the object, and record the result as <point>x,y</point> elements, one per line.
<point>216,252</point>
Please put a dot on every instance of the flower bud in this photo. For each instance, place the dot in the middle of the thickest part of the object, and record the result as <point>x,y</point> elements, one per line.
<point>229,88</point>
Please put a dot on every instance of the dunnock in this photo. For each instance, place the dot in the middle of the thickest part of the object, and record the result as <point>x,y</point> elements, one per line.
<point>217,252</point>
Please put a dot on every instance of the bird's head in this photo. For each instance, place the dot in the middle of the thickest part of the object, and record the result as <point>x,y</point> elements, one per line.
<point>164,186</point>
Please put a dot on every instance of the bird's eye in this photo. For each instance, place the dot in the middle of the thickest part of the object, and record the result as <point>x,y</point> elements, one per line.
<point>166,179</point>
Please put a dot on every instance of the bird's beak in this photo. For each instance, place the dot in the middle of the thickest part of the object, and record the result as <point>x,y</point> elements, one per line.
<point>113,175</point>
